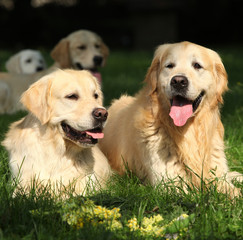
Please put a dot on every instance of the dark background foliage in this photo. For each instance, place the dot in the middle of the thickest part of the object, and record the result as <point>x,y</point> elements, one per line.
<point>129,24</point>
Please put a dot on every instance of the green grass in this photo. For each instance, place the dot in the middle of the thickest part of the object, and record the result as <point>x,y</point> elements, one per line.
<point>214,215</point>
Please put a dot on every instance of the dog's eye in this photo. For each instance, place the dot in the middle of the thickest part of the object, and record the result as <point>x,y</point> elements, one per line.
<point>196,65</point>
<point>72,96</point>
<point>96,95</point>
<point>82,47</point>
<point>97,46</point>
<point>170,65</point>
<point>28,60</point>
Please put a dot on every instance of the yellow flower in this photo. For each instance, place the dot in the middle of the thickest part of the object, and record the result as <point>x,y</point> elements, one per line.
<point>89,213</point>
<point>133,224</point>
<point>113,225</point>
<point>158,218</point>
<point>80,223</point>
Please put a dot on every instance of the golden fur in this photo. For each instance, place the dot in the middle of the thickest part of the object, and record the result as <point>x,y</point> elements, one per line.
<point>76,51</point>
<point>39,146</point>
<point>140,133</point>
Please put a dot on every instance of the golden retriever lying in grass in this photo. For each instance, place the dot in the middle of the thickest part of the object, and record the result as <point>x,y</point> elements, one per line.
<point>82,49</point>
<point>172,127</point>
<point>55,142</point>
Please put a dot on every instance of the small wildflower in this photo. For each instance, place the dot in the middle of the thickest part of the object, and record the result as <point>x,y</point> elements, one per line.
<point>152,225</point>
<point>114,225</point>
<point>133,224</point>
<point>80,224</point>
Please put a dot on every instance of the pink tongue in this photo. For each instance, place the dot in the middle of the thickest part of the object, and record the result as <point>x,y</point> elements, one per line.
<point>98,76</point>
<point>180,111</point>
<point>95,135</point>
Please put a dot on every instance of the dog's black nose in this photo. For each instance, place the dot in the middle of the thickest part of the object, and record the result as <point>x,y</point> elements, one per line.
<point>100,114</point>
<point>179,82</point>
<point>98,60</point>
<point>38,69</point>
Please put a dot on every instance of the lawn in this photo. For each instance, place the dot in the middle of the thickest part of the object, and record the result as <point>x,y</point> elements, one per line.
<point>127,209</point>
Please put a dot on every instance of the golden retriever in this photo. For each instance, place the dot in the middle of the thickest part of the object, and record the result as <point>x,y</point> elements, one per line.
<point>172,127</point>
<point>26,61</point>
<point>56,142</point>
<point>82,49</point>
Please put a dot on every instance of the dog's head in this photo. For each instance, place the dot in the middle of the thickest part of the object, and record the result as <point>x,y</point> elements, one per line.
<point>187,77</point>
<point>27,61</point>
<point>80,50</point>
<point>71,102</point>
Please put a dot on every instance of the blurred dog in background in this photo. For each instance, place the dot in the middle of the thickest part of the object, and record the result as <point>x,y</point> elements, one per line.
<point>26,61</point>
<point>80,50</point>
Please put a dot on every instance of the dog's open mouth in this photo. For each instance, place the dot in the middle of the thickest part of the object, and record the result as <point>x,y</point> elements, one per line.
<point>97,75</point>
<point>182,108</point>
<point>90,136</point>
<point>94,71</point>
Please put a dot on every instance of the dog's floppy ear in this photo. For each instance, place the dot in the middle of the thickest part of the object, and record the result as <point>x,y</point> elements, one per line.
<point>13,64</point>
<point>61,54</point>
<point>105,50</point>
<point>36,99</point>
<point>221,78</point>
<point>153,72</point>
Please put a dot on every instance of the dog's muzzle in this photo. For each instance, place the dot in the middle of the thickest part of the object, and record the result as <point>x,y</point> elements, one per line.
<point>179,84</point>
<point>182,108</point>
<point>90,136</point>
<point>100,115</point>
<point>87,137</point>
<point>98,61</point>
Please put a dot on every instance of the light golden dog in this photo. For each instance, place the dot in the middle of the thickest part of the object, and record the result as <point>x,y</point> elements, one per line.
<point>82,49</point>
<point>172,127</point>
<point>55,142</point>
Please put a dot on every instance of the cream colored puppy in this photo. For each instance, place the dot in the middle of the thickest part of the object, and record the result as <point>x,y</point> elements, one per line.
<point>172,127</point>
<point>27,61</point>
<point>56,142</point>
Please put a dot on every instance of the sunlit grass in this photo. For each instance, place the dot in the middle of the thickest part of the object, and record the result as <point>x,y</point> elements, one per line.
<point>39,215</point>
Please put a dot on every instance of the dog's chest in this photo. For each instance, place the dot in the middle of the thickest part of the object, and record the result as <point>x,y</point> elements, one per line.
<point>162,144</point>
